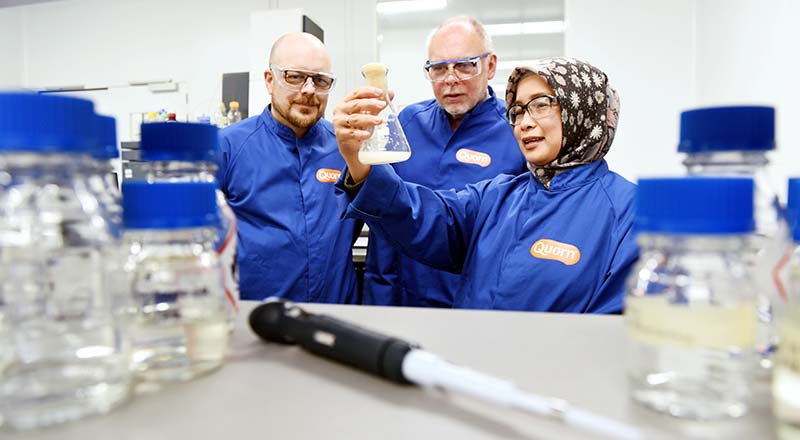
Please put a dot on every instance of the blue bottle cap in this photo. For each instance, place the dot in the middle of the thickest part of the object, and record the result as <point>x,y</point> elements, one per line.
<point>169,205</point>
<point>712,129</point>
<point>695,205</point>
<point>106,146</point>
<point>45,123</point>
<point>179,141</point>
<point>793,208</point>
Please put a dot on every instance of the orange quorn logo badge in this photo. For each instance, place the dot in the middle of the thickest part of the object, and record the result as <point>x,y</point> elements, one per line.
<point>474,157</point>
<point>553,250</point>
<point>327,175</point>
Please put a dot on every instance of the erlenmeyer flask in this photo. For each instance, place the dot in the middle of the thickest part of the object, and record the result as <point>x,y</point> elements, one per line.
<point>388,143</point>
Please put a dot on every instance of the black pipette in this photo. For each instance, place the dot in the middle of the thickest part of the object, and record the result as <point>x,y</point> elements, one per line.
<point>277,320</point>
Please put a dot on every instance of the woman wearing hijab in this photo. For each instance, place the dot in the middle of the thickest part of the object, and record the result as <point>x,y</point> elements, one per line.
<point>557,239</point>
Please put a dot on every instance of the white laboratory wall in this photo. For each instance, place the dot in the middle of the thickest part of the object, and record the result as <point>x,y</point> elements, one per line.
<point>265,28</point>
<point>350,34</point>
<point>647,50</point>
<point>404,51</point>
<point>747,54</point>
<point>101,43</point>
<point>11,48</point>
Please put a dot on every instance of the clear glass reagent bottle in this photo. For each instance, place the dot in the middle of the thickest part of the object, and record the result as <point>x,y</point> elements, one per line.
<point>734,141</point>
<point>64,354</point>
<point>179,324</point>
<point>690,313</point>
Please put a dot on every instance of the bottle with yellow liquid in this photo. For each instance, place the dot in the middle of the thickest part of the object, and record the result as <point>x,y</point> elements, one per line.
<point>690,308</point>
<point>786,372</point>
<point>388,143</point>
<point>734,141</point>
<point>178,309</point>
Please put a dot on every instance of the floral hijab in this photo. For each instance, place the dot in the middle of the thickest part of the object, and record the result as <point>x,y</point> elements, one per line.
<point>589,111</point>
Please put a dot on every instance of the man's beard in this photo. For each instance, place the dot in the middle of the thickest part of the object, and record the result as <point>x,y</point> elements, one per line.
<point>303,120</point>
<point>458,111</point>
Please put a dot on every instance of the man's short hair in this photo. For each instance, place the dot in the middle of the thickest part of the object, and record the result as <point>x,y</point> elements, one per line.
<point>488,45</point>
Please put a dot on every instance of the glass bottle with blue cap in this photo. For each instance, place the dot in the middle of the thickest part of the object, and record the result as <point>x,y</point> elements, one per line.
<point>188,152</point>
<point>690,313</point>
<point>179,324</point>
<point>63,354</point>
<point>735,141</point>
<point>786,374</point>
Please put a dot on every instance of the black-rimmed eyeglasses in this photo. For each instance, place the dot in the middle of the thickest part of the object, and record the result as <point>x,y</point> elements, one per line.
<point>462,68</point>
<point>295,79</point>
<point>538,108</point>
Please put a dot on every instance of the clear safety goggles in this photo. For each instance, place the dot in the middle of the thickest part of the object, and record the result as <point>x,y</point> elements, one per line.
<point>296,79</point>
<point>462,68</point>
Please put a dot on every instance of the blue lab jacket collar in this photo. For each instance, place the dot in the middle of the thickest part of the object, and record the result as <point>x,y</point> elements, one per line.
<point>578,176</point>
<point>484,106</point>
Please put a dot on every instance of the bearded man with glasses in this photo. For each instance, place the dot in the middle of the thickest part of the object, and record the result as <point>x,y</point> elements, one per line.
<point>460,137</point>
<point>277,171</point>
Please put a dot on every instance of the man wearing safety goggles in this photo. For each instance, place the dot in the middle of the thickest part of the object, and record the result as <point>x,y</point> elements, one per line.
<point>277,172</point>
<point>462,136</point>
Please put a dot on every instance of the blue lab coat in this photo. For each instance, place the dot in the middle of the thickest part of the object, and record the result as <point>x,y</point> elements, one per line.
<point>518,246</point>
<point>480,148</point>
<point>291,241</point>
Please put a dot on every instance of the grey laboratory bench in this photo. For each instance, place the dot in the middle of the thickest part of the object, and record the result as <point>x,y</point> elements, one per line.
<point>269,391</point>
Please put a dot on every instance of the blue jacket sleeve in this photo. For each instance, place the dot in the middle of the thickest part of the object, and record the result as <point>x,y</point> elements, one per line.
<point>433,227</point>
<point>223,159</point>
<point>381,279</point>
<point>609,297</point>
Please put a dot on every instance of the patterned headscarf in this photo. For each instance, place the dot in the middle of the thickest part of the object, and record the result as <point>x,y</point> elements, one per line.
<point>589,111</point>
